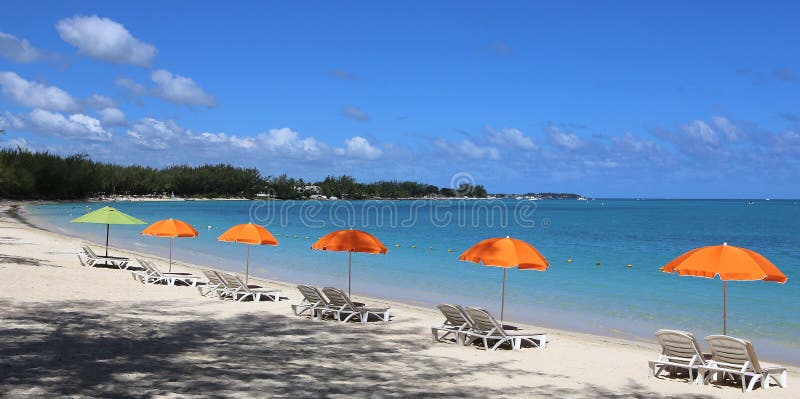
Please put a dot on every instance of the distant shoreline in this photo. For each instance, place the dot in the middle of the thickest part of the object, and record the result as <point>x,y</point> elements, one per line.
<point>592,199</point>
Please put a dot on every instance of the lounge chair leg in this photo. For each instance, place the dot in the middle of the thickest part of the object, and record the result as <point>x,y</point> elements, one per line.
<point>502,341</point>
<point>699,377</point>
<point>754,381</point>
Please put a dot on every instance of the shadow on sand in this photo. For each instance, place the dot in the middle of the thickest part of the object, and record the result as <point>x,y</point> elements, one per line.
<point>19,260</point>
<point>114,350</point>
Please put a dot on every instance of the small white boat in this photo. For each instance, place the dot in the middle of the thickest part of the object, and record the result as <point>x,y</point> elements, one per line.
<point>582,199</point>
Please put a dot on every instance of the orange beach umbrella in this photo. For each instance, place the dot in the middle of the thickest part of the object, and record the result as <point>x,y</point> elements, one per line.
<point>171,228</point>
<point>250,234</point>
<point>350,241</point>
<point>506,253</point>
<point>729,263</point>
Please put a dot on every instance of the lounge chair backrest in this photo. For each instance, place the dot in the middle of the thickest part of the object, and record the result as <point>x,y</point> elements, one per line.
<point>338,298</point>
<point>241,282</point>
<point>484,321</point>
<point>680,344</point>
<point>148,267</point>
<point>453,315</point>
<point>213,278</point>
<point>732,350</point>
<point>89,251</point>
<point>311,294</point>
<point>153,267</point>
<point>230,280</point>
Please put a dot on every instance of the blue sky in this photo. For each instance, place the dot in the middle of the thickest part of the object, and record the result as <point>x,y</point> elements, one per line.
<point>603,98</point>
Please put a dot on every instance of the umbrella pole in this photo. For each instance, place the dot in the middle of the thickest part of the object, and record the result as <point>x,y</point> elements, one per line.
<point>724,307</point>
<point>350,273</point>
<point>107,227</point>
<point>247,272</point>
<point>503,297</point>
<point>170,254</point>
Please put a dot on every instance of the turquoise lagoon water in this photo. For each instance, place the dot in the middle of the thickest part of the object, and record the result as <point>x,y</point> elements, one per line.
<point>610,299</point>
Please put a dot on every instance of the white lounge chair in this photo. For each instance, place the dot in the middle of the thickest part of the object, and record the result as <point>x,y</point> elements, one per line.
<point>679,351</point>
<point>152,275</point>
<point>313,302</point>
<point>734,356</point>
<point>456,322</point>
<point>488,329</point>
<point>240,291</point>
<point>342,305</point>
<point>215,286</point>
<point>88,257</point>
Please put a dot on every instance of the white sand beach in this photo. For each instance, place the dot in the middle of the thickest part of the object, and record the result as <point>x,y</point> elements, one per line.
<point>79,331</point>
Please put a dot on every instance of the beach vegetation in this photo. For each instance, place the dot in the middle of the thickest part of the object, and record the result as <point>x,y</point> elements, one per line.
<point>26,174</point>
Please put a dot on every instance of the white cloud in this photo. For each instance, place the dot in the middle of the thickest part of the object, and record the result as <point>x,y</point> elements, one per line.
<point>565,140</point>
<point>36,95</point>
<point>76,126</point>
<point>180,89</point>
<point>359,147</point>
<point>215,139</point>
<point>355,113</point>
<point>11,121</point>
<point>467,149</point>
<point>601,164</point>
<point>112,116</point>
<point>15,142</point>
<point>629,145</point>
<point>342,74</point>
<point>287,142</point>
<point>18,49</point>
<point>173,88</point>
<point>154,134</point>
<point>106,40</point>
<point>787,142</point>
<point>274,144</point>
<point>732,132</point>
<point>700,131</point>
<point>98,101</point>
<point>133,87</point>
<point>510,137</point>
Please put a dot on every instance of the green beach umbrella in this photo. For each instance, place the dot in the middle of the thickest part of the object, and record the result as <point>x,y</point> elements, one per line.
<point>107,216</point>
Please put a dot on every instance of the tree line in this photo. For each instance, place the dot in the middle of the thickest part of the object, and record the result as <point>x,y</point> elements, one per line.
<point>42,175</point>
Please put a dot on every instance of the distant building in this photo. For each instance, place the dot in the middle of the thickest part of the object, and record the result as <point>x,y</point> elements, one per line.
<point>308,189</point>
